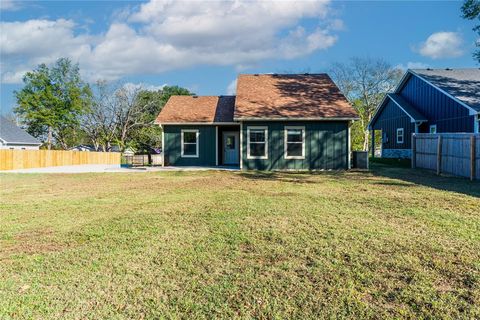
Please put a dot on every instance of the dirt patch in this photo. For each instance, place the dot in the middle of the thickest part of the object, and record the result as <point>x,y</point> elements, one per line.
<point>31,242</point>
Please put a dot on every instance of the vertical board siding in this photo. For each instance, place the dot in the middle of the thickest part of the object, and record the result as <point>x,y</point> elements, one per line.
<point>449,115</point>
<point>326,146</point>
<point>25,159</point>
<point>455,153</point>
<point>389,120</point>
<point>206,147</point>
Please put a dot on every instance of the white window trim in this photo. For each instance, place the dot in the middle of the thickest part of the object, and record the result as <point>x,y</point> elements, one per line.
<point>197,134</point>
<point>402,135</point>
<point>266,142</point>
<point>430,128</point>
<point>286,141</point>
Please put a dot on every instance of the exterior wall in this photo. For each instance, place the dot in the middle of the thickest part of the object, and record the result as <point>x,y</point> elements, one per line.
<point>206,146</point>
<point>390,119</point>
<point>397,153</point>
<point>18,147</point>
<point>326,146</point>
<point>446,113</point>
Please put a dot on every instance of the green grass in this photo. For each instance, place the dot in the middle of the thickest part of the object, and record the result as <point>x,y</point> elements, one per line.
<point>391,243</point>
<point>404,163</point>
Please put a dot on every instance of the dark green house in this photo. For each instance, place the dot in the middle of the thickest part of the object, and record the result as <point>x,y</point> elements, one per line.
<point>275,122</point>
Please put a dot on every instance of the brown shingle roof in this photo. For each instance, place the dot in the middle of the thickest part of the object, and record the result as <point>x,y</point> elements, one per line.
<point>271,96</point>
<point>184,109</point>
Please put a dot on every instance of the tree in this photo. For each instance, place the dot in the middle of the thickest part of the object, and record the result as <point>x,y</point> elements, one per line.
<point>365,82</point>
<point>471,11</point>
<point>99,122</point>
<point>125,115</point>
<point>52,101</point>
<point>150,135</point>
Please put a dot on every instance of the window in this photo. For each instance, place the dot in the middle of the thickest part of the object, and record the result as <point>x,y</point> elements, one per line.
<point>190,143</point>
<point>433,128</point>
<point>294,142</point>
<point>257,144</point>
<point>400,135</point>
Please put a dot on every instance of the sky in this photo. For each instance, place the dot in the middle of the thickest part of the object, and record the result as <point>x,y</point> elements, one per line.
<point>203,46</point>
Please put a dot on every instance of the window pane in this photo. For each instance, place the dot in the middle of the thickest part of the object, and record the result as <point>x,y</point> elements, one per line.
<point>257,149</point>
<point>230,142</point>
<point>294,149</point>
<point>294,135</point>
<point>190,149</point>
<point>189,137</point>
<point>257,135</point>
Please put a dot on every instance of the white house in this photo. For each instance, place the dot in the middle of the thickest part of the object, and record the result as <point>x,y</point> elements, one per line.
<point>13,137</point>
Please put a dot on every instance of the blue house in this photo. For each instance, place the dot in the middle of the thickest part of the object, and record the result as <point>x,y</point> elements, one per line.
<point>427,101</point>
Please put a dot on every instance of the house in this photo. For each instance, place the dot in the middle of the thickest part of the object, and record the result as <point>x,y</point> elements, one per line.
<point>275,122</point>
<point>427,101</point>
<point>82,147</point>
<point>13,137</point>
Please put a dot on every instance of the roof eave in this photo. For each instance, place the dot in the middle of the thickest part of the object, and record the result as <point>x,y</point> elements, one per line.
<point>296,118</point>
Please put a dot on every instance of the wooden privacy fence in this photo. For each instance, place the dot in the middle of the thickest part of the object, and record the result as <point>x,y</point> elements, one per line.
<point>24,159</point>
<point>453,153</point>
<point>143,160</point>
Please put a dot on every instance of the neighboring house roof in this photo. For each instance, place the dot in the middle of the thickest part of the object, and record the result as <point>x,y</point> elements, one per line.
<point>10,133</point>
<point>197,109</point>
<point>407,108</point>
<point>461,84</point>
<point>290,96</point>
<point>83,147</point>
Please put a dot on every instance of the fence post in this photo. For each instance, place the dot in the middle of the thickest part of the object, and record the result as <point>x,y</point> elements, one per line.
<point>472,157</point>
<point>414,151</point>
<point>439,155</point>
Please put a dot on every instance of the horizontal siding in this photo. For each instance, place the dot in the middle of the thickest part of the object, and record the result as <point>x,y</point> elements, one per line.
<point>172,148</point>
<point>389,120</point>
<point>326,146</point>
<point>449,115</point>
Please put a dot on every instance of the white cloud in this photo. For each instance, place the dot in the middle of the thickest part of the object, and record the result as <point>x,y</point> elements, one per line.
<point>9,5</point>
<point>167,35</point>
<point>412,65</point>
<point>232,88</point>
<point>442,45</point>
<point>142,86</point>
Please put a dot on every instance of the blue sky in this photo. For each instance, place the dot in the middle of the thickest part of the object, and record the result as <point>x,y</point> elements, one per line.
<point>204,45</point>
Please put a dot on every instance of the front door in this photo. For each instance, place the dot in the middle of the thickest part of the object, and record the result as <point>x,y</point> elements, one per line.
<point>231,148</point>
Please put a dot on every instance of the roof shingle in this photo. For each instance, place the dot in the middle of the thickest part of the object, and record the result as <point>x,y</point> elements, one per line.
<point>193,109</point>
<point>290,96</point>
<point>10,133</point>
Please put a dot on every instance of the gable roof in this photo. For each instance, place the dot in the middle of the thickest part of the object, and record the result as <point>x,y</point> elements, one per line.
<point>407,108</point>
<point>461,84</point>
<point>10,133</point>
<point>290,96</point>
<point>197,109</point>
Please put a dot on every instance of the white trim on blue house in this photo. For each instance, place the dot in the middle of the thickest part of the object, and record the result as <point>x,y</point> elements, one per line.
<point>285,143</point>
<point>197,142</point>
<point>296,119</point>
<point>265,129</point>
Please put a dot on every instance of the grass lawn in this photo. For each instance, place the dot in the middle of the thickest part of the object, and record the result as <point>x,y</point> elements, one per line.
<point>392,243</point>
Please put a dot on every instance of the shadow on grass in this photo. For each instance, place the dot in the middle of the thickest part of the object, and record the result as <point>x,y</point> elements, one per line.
<point>380,174</point>
<point>428,178</point>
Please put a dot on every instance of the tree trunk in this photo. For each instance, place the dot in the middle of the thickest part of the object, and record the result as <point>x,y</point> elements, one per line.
<point>49,138</point>
<point>366,137</point>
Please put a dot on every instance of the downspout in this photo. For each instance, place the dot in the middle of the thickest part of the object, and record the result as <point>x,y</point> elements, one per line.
<point>476,123</point>
<point>163,146</point>
<point>349,147</point>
